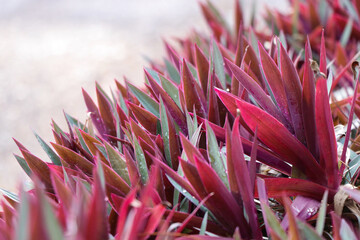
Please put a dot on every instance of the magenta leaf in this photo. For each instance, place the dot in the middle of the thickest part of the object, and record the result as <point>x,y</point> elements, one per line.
<point>274,135</point>
<point>293,92</point>
<point>257,92</point>
<point>326,135</point>
<point>308,104</point>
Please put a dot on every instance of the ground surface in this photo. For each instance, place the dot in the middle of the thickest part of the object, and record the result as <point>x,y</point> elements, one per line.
<point>50,49</point>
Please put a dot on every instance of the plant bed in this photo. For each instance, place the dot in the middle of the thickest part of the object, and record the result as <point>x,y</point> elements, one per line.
<point>237,135</point>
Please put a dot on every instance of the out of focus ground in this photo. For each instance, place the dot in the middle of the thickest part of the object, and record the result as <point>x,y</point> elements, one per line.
<point>50,49</point>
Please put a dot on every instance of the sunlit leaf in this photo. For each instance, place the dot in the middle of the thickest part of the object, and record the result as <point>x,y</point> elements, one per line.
<point>149,104</point>
<point>320,223</point>
<point>214,155</point>
<point>117,163</point>
<point>140,158</point>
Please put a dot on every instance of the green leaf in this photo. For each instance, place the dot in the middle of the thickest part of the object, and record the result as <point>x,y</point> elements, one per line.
<point>218,61</point>
<point>66,176</point>
<point>320,222</point>
<point>193,72</point>
<point>10,195</point>
<point>52,224</point>
<point>102,149</point>
<point>52,155</point>
<point>176,197</point>
<point>150,104</point>
<point>191,123</point>
<point>173,72</point>
<point>204,224</point>
<point>282,38</point>
<point>154,74</point>
<point>274,224</point>
<point>122,103</point>
<point>74,122</point>
<point>82,142</point>
<point>308,232</point>
<point>329,80</point>
<point>324,8</point>
<point>101,174</point>
<point>354,165</point>
<point>22,231</point>
<point>23,165</point>
<point>187,195</point>
<point>214,155</point>
<point>171,89</point>
<point>141,161</point>
<point>165,132</point>
<point>58,129</point>
<point>254,42</point>
<point>117,163</point>
<point>195,138</point>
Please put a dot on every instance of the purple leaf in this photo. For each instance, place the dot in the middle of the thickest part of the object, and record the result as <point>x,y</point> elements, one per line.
<point>293,93</point>
<point>293,187</point>
<point>202,66</point>
<point>171,106</point>
<point>257,92</point>
<point>96,222</point>
<point>303,208</point>
<point>94,114</point>
<point>243,179</point>
<point>229,214</point>
<point>273,76</point>
<point>308,104</point>
<point>263,154</point>
<point>106,112</point>
<point>192,96</point>
<point>145,118</point>
<point>274,135</point>
<point>326,135</point>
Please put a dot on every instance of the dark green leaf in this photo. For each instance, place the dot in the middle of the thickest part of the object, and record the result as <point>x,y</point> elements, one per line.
<point>165,132</point>
<point>52,155</point>
<point>23,165</point>
<point>173,72</point>
<point>308,232</point>
<point>204,223</point>
<point>320,222</point>
<point>117,163</point>
<point>218,62</point>
<point>140,158</point>
<point>149,103</point>
<point>10,195</point>
<point>171,89</point>
<point>274,223</point>
<point>23,227</point>
<point>214,155</point>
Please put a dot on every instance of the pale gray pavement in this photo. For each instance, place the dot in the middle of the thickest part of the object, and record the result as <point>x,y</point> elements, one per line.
<point>50,49</point>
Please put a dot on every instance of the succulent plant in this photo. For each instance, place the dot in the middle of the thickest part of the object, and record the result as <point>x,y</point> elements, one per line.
<point>231,137</point>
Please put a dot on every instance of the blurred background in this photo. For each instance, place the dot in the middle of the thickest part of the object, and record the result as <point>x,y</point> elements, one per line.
<point>50,49</point>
